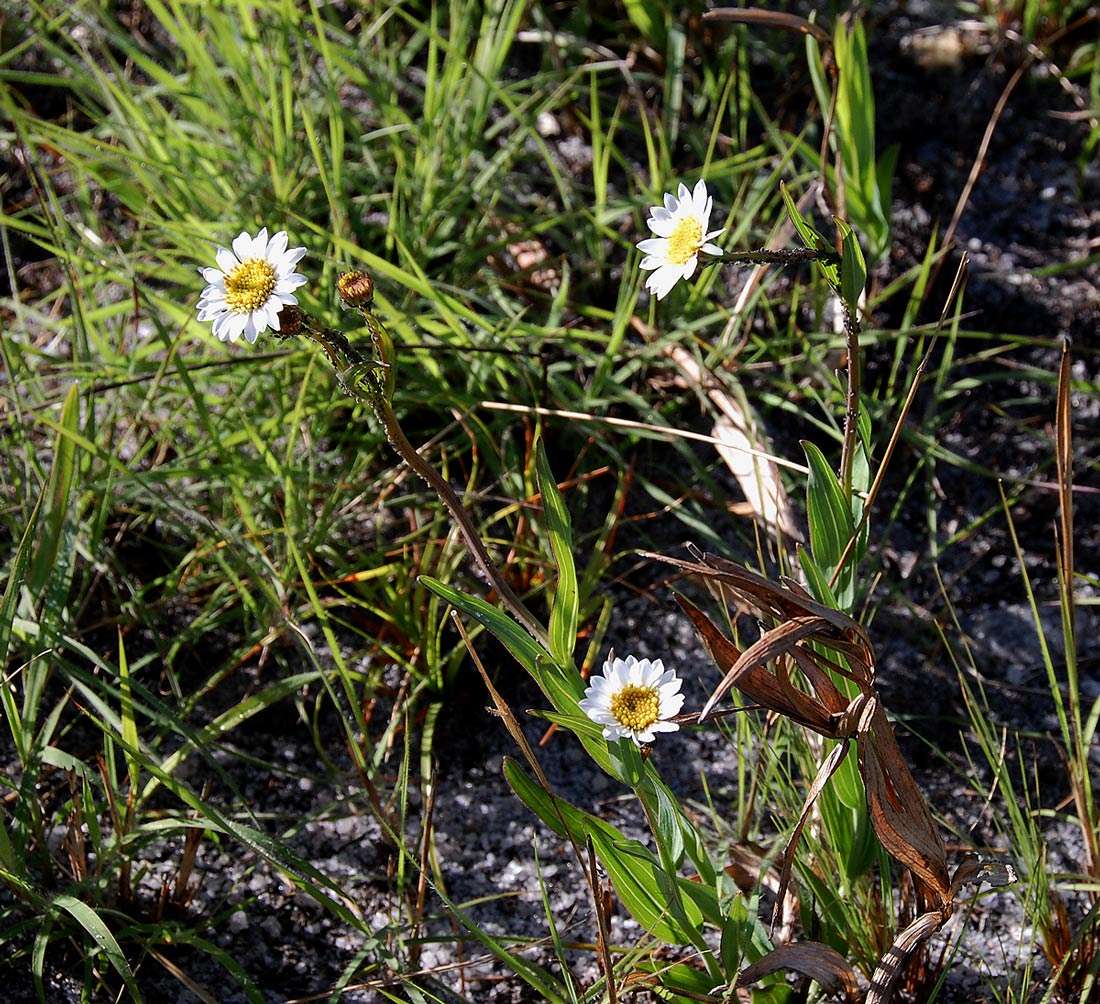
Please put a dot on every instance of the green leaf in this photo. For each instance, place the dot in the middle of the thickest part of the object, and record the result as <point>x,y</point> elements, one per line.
<point>666,826</point>
<point>853,269</point>
<point>513,637</point>
<point>58,493</point>
<point>729,948</point>
<point>563,615</point>
<point>87,918</point>
<point>648,17</point>
<point>811,238</point>
<point>126,714</point>
<point>16,572</point>
<point>816,579</point>
<point>635,874</point>
<point>830,518</point>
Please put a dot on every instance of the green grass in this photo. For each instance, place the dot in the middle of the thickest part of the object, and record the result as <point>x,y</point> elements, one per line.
<point>197,533</point>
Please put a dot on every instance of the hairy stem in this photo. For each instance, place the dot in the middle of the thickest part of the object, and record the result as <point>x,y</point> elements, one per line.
<point>449,497</point>
<point>851,414</point>
<point>784,256</point>
<point>365,379</point>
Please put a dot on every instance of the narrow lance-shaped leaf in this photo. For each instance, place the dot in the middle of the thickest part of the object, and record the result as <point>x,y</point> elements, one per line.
<point>563,616</point>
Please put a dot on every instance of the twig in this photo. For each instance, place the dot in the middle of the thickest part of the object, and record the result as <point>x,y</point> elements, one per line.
<point>366,379</point>
<point>626,423</point>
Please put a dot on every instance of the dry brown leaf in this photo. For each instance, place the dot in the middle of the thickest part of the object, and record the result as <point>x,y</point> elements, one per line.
<point>756,682</point>
<point>898,811</point>
<point>827,769</point>
<point>890,966</point>
<point>771,645</point>
<point>740,447</point>
<point>807,958</point>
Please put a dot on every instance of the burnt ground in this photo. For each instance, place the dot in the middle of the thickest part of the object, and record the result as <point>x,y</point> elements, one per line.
<point>1034,205</point>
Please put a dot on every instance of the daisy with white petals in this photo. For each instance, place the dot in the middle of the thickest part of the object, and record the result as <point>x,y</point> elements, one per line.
<point>680,226</point>
<point>251,284</point>
<point>634,699</point>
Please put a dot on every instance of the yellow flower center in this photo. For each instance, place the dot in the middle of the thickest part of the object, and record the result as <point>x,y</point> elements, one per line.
<point>636,707</point>
<point>684,241</point>
<point>249,285</point>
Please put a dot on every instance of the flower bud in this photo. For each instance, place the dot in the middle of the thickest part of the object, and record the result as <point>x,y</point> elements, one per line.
<point>356,289</point>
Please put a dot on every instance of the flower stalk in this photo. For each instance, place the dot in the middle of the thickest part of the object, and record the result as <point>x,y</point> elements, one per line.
<point>851,411</point>
<point>370,380</point>
<point>768,256</point>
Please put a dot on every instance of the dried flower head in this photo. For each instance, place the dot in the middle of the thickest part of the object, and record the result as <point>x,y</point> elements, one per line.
<point>250,286</point>
<point>291,321</point>
<point>356,288</point>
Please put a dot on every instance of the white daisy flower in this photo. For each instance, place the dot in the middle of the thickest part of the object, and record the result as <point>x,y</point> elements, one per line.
<point>251,284</point>
<point>634,699</point>
<point>680,226</point>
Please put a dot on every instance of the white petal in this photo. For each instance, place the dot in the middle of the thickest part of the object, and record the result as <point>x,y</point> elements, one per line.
<point>650,262</point>
<point>644,736</point>
<point>286,299</point>
<point>711,249</point>
<point>671,708</point>
<point>664,727</point>
<point>242,246</point>
<point>690,265</point>
<point>214,276</point>
<point>671,204</point>
<point>227,261</point>
<point>714,233</point>
<point>699,195</point>
<point>659,213</point>
<point>222,327</point>
<point>276,247</point>
<point>272,308</point>
<point>249,331</point>
<point>653,245</point>
<point>287,283</point>
<point>289,259</point>
<point>682,193</point>
<point>660,283</point>
<point>259,319</point>
<point>239,326</point>
<point>259,244</point>
<point>662,228</point>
